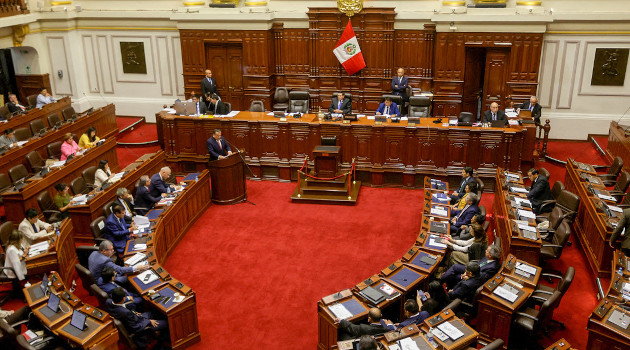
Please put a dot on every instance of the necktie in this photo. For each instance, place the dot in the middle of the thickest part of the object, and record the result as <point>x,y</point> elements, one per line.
<point>461,212</point>
<point>494,117</point>
<point>339,107</point>
<point>34,228</point>
<point>219,142</point>
<point>387,110</point>
<point>399,80</point>
<point>197,107</point>
<point>483,263</point>
<point>210,81</point>
<point>124,202</point>
<point>531,108</point>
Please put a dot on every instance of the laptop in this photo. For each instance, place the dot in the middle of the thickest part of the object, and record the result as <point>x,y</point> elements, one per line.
<point>185,108</point>
<point>498,124</point>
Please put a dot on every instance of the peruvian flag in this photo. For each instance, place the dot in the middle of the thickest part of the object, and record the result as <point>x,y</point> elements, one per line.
<point>348,51</point>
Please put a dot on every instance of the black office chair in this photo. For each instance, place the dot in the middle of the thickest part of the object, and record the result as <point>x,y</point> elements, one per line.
<point>78,186</point>
<point>100,295</point>
<point>83,255</point>
<point>465,117</point>
<point>107,208</point>
<point>89,176</point>
<point>37,126</point>
<point>621,186</point>
<point>257,106</point>
<point>615,168</point>
<point>35,161</point>
<point>98,229</point>
<point>543,292</point>
<point>18,172</point>
<point>31,100</point>
<point>558,186</point>
<point>395,98</point>
<point>54,119</point>
<point>22,134</point>
<point>281,99</point>
<point>54,150</point>
<point>329,141</point>
<point>567,202</point>
<point>419,107</point>
<point>544,172</point>
<point>48,207</point>
<point>494,345</point>
<point>68,113</point>
<point>299,101</point>
<point>530,320</point>
<point>126,337</point>
<point>87,279</point>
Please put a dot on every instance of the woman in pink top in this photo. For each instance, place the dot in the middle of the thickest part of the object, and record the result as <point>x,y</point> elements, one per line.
<point>68,146</point>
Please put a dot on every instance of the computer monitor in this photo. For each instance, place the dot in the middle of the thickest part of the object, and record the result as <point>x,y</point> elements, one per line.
<point>44,285</point>
<point>53,302</point>
<point>78,319</point>
<point>185,108</point>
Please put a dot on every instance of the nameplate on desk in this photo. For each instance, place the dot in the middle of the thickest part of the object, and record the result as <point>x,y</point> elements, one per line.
<point>378,123</point>
<point>346,122</point>
<point>411,124</point>
<point>283,119</point>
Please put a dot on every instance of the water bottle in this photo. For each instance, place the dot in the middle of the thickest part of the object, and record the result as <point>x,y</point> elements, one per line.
<point>430,336</point>
<point>620,271</point>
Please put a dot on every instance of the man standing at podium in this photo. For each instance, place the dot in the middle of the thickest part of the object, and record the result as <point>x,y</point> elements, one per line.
<point>217,146</point>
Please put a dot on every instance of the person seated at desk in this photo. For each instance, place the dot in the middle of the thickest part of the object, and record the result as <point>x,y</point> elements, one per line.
<point>533,106</point>
<point>388,108</point>
<point>373,328</point>
<point>141,325</point>
<point>15,253</point>
<point>144,199</point>
<point>399,85</point>
<point>216,106</point>
<point>102,173</point>
<point>158,184</point>
<point>470,281</point>
<point>489,266</point>
<point>117,230</point>
<point>367,342</point>
<point>108,283</point>
<point>413,316</point>
<point>623,226</point>
<point>125,199</point>
<point>464,216</point>
<point>465,231</point>
<point>62,199</point>
<point>68,147</point>
<point>89,138</point>
<point>467,177</point>
<point>540,190</point>
<point>8,139</point>
<point>471,187</point>
<point>102,258</point>
<point>494,114</point>
<point>14,105</point>
<point>340,104</point>
<point>217,146</point>
<point>437,299</point>
<point>461,248</point>
<point>200,106</point>
<point>32,228</point>
<point>44,98</point>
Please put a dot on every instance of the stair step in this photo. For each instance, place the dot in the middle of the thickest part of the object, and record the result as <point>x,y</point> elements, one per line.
<point>340,182</point>
<point>299,195</point>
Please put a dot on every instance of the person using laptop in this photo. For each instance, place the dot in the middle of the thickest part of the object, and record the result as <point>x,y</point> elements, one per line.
<point>142,326</point>
<point>374,327</point>
<point>8,139</point>
<point>68,147</point>
<point>108,284</point>
<point>32,228</point>
<point>15,253</point>
<point>102,173</point>
<point>101,259</point>
<point>89,138</point>
<point>117,230</point>
<point>494,114</point>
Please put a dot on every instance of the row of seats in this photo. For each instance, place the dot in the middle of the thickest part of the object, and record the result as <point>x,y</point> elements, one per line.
<point>37,125</point>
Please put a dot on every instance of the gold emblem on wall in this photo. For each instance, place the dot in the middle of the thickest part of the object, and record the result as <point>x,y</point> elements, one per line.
<point>19,33</point>
<point>133,60</point>
<point>350,7</point>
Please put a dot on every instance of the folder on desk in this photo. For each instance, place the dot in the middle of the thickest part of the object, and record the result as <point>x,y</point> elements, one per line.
<point>372,295</point>
<point>153,214</point>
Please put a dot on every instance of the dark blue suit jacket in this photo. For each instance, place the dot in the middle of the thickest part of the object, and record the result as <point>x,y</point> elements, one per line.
<point>214,149</point>
<point>144,199</point>
<point>417,319</point>
<point>133,322</point>
<point>539,192</point>
<point>110,286</point>
<point>157,186</point>
<point>489,269</point>
<point>393,109</point>
<point>465,289</point>
<point>466,216</point>
<point>117,231</point>
<point>401,90</point>
<point>97,262</point>
<point>461,190</point>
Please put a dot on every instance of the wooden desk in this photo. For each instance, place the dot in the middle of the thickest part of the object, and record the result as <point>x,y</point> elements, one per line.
<point>391,153</point>
<point>561,344</point>
<point>591,226</point>
<point>327,322</point>
<point>391,307</point>
<point>494,315</point>
<point>83,215</point>
<point>512,239</point>
<point>103,119</point>
<point>470,335</point>
<point>16,203</point>
<point>618,144</point>
<point>61,255</point>
<point>24,120</point>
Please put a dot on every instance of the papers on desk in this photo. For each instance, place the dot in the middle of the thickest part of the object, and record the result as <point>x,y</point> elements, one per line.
<point>387,289</point>
<point>526,214</point>
<point>140,246</point>
<point>141,221</point>
<point>21,143</point>
<point>340,311</point>
<point>38,248</point>
<point>148,277</point>
<point>513,122</point>
<point>452,122</point>
<point>450,330</point>
<point>511,114</point>
<point>512,175</point>
<point>606,198</point>
<point>169,110</point>
<point>504,293</point>
<point>117,176</point>
<point>526,268</point>
<point>517,189</point>
<point>433,241</point>
<point>407,344</point>
<point>614,208</point>
<point>58,164</point>
<point>371,117</point>
<point>135,259</point>
<point>80,199</point>
<point>619,318</point>
<point>440,198</point>
<point>439,212</point>
<point>525,227</point>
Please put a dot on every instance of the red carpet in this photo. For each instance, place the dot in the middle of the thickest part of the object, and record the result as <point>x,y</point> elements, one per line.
<point>124,122</point>
<point>128,154</point>
<point>142,133</point>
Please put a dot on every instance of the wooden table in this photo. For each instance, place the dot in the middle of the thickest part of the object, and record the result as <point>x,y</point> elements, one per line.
<point>470,335</point>
<point>16,202</point>
<point>61,255</point>
<point>391,153</point>
<point>83,215</point>
<point>591,226</point>
<point>328,324</point>
<point>618,144</point>
<point>103,119</point>
<point>24,120</point>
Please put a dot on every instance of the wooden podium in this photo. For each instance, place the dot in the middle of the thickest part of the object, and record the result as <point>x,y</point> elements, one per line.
<point>227,178</point>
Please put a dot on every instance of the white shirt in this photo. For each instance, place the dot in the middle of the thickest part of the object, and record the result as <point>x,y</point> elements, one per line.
<point>29,234</point>
<point>44,100</point>
<point>100,176</point>
<point>12,259</point>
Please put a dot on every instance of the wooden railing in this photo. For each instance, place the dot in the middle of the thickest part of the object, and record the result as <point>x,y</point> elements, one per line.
<point>542,133</point>
<point>12,8</point>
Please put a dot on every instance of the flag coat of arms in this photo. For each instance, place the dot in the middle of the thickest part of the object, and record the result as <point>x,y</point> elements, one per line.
<point>348,51</point>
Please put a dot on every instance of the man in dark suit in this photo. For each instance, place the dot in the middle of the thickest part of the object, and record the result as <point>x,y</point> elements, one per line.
<point>413,315</point>
<point>533,106</point>
<point>140,325</point>
<point>216,106</point>
<point>624,223</point>
<point>217,146</point>
<point>14,105</point>
<point>540,191</point>
<point>356,330</point>
<point>144,200</point>
<point>467,177</point>
<point>340,104</point>
<point>494,114</point>
<point>108,283</point>
<point>102,258</point>
<point>399,85</point>
<point>117,230</point>
<point>489,266</point>
<point>158,184</point>
<point>125,199</point>
<point>464,216</point>
<point>200,106</point>
<point>471,280</point>
<point>208,84</point>
<point>388,108</point>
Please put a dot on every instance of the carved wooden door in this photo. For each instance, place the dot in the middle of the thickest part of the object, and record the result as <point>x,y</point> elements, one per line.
<point>226,63</point>
<point>495,75</point>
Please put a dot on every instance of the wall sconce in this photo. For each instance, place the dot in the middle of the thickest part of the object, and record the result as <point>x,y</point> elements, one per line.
<point>60,74</point>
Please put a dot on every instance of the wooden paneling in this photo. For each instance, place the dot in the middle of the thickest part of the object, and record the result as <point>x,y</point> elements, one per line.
<point>29,84</point>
